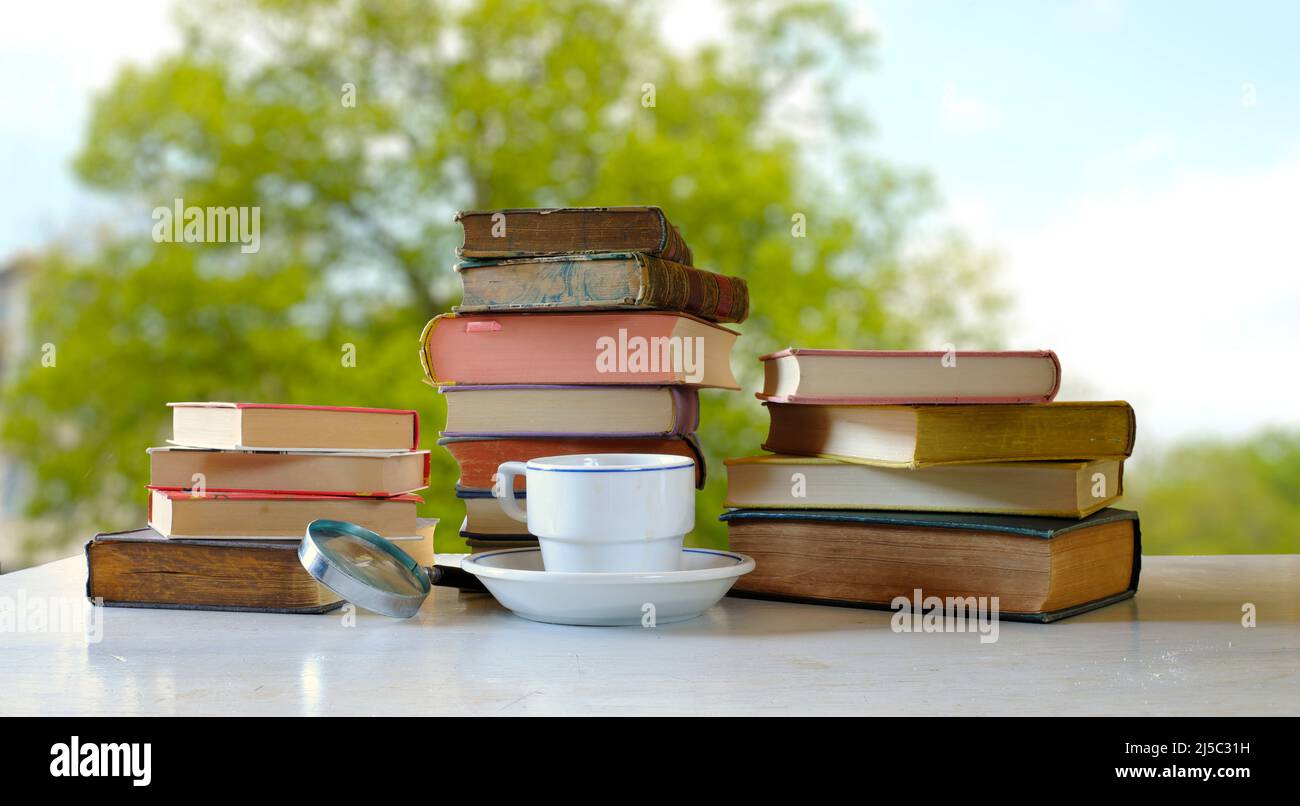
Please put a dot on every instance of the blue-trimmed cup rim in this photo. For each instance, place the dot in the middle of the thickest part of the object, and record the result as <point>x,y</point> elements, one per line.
<point>610,462</point>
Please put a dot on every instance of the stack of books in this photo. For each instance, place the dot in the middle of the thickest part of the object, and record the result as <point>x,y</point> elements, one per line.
<point>231,497</point>
<point>581,330</point>
<point>949,473</point>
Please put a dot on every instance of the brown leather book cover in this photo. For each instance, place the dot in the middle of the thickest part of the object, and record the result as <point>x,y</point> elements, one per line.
<point>567,230</point>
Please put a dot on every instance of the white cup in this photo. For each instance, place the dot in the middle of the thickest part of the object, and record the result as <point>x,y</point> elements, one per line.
<point>604,511</point>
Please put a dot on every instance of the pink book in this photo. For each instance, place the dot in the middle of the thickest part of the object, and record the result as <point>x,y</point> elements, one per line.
<point>613,347</point>
<point>848,377</point>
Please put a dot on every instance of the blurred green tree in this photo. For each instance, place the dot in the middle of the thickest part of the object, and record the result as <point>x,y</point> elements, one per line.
<point>1208,497</point>
<point>359,127</point>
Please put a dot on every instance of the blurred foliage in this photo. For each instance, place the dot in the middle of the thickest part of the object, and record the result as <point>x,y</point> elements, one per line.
<point>477,104</point>
<point>1209,497</point>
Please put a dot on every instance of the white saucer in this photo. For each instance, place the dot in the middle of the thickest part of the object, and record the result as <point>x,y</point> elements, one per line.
<point>607,599</point>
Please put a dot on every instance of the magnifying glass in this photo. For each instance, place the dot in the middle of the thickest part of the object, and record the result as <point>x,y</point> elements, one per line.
<point>372,572</point>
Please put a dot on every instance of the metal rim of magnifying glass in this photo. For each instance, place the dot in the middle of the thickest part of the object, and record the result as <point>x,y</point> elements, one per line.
<point>324,570</point>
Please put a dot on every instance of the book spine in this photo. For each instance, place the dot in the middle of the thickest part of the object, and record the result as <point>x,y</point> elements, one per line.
<point>672,246</point>
<point>675,287</point>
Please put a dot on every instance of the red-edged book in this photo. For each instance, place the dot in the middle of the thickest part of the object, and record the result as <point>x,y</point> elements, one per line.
<point>586,348</point>
<point>274,516</point>
<point>361,473</point>
<point>277,426</point>
<point>851,377</point>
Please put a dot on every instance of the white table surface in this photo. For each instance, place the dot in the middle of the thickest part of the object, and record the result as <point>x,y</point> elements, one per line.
<point>1178,648</point>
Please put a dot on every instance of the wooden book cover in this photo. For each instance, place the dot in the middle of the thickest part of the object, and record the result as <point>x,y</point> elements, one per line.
<point>1041,569</point>
<point>523,232</point>
<point>609,281</point>
<point>141,568</point>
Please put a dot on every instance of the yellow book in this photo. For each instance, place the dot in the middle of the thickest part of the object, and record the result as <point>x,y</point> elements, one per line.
<point>924,435</point>
<point>1060,489</point>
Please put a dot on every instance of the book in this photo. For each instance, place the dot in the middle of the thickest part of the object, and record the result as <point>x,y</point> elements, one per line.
<point>917,436</point>
<point>607,281</point>
<point>267,426</point>
<point>485,520</point>
<point>479,545</point>
<point>1041,569</point>
<point>797,375</point>
<point>339,472</point>
<point>479,458</point>
<point>142,568</point>
<point>564,410</point>
<point>567,230</point>
<point>1062,489</point>
<point>590,348</point>
<point>248,515</point>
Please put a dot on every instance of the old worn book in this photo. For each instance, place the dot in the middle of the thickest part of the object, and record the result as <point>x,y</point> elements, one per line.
<point>571,348</point>
<point>268,426</point>
<point>485,520</point>
<point>797,375</point>
<point>478,545</point>
<point>1062,489</point>
<point>548,411</point>
<point>1041,569</point>
<point>567,230</point>
<point>362,473</point>
<point>917,436</point>
<point>479,457</point>
<point>253,516</point>
<point>607,281</point>
<point>142,568</point>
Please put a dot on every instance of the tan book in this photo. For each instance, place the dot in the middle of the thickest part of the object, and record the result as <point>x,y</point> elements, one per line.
<point>917,436</point>
<point>338,472</point>
<point>270,426</point>
<point>1062,489</point>
<point>260,516</point>
<point>1040,569</point>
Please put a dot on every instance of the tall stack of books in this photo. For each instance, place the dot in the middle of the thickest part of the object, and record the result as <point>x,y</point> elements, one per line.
<point>581,330</point>
<point>232,495</point>
<point>953,474</point>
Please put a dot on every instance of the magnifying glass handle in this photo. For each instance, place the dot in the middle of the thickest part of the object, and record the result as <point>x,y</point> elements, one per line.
<point>447,576</point>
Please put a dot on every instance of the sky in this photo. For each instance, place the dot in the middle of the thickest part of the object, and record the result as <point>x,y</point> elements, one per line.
<point>1137,166</point>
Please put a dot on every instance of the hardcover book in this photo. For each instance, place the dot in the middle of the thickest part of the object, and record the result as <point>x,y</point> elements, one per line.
<point>609,281</point>
<point>1062,489</point>
<point>362,473</point>
<point>917,436</point>
<point>254,516</point>
<point>797,375</point>
<point>643,348</point>
<point>141,568</point>
<point>479,458</point>
<point>567,230</point>
<point>1041,569</point>
<point>550,411</point>
<point>486,521</point>
<point>267,426</point>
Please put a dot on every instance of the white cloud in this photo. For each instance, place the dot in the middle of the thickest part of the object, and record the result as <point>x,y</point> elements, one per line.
<point>1184,299</point>
<point>967,114</point>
